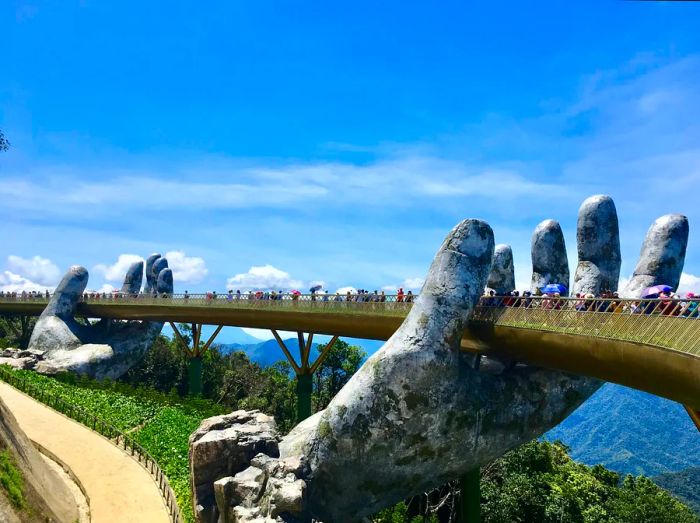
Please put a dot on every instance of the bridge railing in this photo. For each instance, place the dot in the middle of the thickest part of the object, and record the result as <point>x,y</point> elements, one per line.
<point>669,323</point>
<point>119,438</point>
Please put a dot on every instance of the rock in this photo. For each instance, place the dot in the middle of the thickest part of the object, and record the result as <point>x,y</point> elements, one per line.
<point>19,363</point>
<point>598,239</point>
<point>502,276</point>
<point>35,353</point>
<point>662,256</point>
<point>223,494</point>
<point>224,446</point>
<point>247,486</point>
<point>549,260</point>
<point>287,497</point>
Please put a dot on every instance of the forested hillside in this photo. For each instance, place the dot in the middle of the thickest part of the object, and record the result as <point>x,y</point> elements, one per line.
<point>630,431</point>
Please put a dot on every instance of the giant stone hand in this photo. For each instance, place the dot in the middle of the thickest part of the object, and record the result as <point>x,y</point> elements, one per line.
<point>420,412</point>
<point>108,348</point>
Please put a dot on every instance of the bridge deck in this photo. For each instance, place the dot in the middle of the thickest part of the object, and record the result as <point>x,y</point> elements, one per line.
<point>655,352</point>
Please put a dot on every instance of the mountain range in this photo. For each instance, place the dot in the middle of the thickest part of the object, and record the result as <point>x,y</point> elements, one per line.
<point>630,431</point>
<point>268,352</point>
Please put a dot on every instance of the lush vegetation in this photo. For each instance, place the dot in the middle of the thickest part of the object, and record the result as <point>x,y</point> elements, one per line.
<point>150,402</point>
<point>630,431</point>
<point>536,482</point>
<point>11,480</point>
<point>685,485</point>
<point>540,482</point>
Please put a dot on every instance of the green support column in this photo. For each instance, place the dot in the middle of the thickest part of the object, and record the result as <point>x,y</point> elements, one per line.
<point>470,499</point>
<point>304,388</point>
<point>194,375</point>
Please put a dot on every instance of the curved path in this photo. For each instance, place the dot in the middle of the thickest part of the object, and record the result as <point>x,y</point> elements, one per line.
<point>120,490</point>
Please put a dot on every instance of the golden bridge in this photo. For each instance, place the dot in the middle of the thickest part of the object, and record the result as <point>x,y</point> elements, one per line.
<point>650,345</point>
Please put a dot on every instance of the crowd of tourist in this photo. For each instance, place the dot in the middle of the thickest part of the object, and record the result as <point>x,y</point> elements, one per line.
<point>665,303</point>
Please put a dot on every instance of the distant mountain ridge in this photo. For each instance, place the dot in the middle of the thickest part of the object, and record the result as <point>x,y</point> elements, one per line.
<point>268,352</point>
<point>630,431</point>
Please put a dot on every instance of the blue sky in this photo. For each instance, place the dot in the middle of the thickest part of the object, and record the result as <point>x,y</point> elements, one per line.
<point>335,142</point>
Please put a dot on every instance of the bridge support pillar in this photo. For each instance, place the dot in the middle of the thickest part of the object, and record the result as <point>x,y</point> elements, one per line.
<point>470,497</point>
<point>304,389</point>
<point>305,370</point>
<point>194,354</point>
<point>194,376</point>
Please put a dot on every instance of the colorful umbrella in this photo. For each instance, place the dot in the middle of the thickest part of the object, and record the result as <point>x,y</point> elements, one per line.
<point>295,292</point>
<point>653,292</point>
<point>553,288</point>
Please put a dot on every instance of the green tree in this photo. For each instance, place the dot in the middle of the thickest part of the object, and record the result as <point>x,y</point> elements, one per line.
<point>342,362</point>
<point>15,331</point>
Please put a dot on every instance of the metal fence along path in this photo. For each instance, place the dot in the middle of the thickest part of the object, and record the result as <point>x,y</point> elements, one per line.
<point>116,436</point>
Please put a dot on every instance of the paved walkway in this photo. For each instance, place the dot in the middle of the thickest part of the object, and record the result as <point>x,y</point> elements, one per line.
<point>120,490</point>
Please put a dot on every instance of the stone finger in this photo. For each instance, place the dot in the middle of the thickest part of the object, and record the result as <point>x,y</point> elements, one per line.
<point>502,276</point>
<point>133,278</point>
<point>662,256</point>
<point>164,285</point>
<point>150,276</point>
<point>598,245</point>
<point>550,263</point>
<point>67,293</point>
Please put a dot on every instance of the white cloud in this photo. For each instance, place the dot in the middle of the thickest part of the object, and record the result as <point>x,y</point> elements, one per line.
<point>408,284</point>
<point>345,290</point>
<point>117,270</point>
<point>689,283</point>
<point>263,277</point>
<point>11,282</point>
<point>41,270</point>
<point>413,283</point>
<point>186,269</point>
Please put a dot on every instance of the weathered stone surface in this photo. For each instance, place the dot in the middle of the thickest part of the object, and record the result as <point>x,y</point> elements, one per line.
<point>662,256</point>
<point>223,494</point>
<point>105,349</point>
<point>151,277</point>
<point>247,486</point>
<point>550,263</point>
<point>286,496</point>
<point>417,412</point>
<point>224,446</point>
<point>598,239</point>
<point>19,363</point>
<point>502,276</point>
<point>133,278</point>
